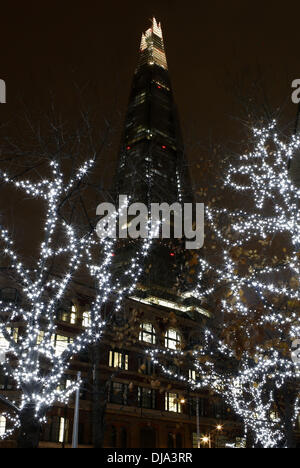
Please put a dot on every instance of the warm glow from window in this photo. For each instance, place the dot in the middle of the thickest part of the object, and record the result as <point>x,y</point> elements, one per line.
<point>2,425</point>
<point>172,403</point>
<point>172,339</point>
<point>61,429</point>
<point>86,319</point>
<point>60,343</point>
<point>147,333</point>
<point>118,360</point>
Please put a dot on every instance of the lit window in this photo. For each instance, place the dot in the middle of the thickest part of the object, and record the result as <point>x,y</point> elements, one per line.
<point>274,415</point>
<point>118,360</point>
<point>61,434</point>
<point>172,403</point>
<point>86,319</point>
<point>172,339</point>
<point>2,425</point>
<point>14,333</point>
<point>4,345</point>
<point>145,366</point>
<point>118,393</point>
<point>40,337</point>
<point>60,343</point>
<point>73,315</point>
<point>147,333</point>
<point>69,316</point>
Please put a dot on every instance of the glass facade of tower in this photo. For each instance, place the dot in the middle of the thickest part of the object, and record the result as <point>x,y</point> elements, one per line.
<point>152,166</point>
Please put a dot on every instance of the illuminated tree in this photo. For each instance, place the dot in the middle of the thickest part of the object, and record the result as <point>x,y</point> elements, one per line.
<point>32,360</point>
<point>249,278</point>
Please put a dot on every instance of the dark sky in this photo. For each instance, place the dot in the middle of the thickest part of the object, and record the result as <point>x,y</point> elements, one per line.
<point>47,45</point>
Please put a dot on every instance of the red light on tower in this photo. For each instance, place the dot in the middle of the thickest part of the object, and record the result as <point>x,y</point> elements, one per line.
<point>128,147</point>
<point>172,254</point>
<point>159,87</point>
<point>163,146</point>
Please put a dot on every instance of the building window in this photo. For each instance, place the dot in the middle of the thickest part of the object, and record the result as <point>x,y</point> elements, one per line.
<point>61,434</point>
<point>73,315</point>
<point>60,343</point>
<point>172,339</point>
<point>172,403</point>
<point>86,319</point>
<point>145,366</point>
<point>147,437</point>
<point>193,375</point>
<point>118,393</point>
<point>4,344</point>
<point>2,425</point>
<point>9,295</point>
<point>147,333</point>
<point>203,407</point>
<point>195,439</point>
<point>57,430</point>
<point>6,383</point>
<point>146,398</point>
<point>171,441</point>
<point>69,316</point>
<point>123,437</point>
<point>178,440</point>
<point>112,436</point>
<point>118,360</point>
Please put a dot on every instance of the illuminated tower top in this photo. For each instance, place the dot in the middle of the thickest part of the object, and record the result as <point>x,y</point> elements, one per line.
<point>152,51</point>
<point>152,164</point>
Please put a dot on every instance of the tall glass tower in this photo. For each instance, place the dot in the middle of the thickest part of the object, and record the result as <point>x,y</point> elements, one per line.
<point>152,166</point>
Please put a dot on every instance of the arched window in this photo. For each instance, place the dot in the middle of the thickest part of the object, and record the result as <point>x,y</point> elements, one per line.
<point>147,333</point>
<point>147,437</point>
<point>172,339</point>
<point>112,437</point>
<point>178,440</point>
<point>2,425</point>
<point>73,315</point>
<point>86,319</point>
<point>123,437</point>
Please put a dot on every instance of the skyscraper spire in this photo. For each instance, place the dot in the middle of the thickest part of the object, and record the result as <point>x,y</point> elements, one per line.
<point>152,165</point>
<point>152,49</point>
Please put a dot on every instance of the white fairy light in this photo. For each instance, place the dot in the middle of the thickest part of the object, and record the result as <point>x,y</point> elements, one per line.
<point>263,175</point>
<point>40,384</point>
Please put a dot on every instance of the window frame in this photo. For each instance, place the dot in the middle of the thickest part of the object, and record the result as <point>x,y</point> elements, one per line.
<point>168,339</point>
<point>168,405</point>
<point>152,334</point>
<point>3,424</point>
<point>142,398</point>
<point>118,357</point>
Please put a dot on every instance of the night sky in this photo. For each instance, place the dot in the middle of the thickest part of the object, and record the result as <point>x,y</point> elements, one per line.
<point>50,44</point>
<point>46,46</point>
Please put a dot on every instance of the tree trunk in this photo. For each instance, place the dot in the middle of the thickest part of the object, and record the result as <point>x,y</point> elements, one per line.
<point>99,401</point>
<point>29,432</point>
<point>289,430</point>
<point>250,439</point>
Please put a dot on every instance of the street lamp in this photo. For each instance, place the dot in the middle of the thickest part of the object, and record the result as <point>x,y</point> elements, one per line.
<point>207,439</point>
